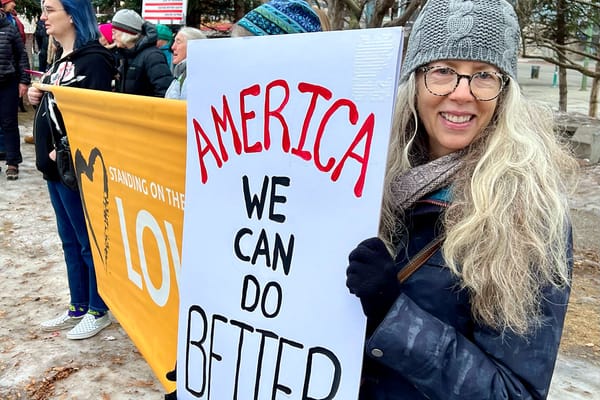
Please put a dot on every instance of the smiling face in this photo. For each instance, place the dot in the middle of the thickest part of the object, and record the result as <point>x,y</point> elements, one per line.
<point>453,121</point>
<point>179,48</point>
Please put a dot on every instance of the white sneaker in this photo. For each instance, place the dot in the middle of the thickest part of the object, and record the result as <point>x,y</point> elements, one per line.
<point>89,326</point>
<point>63,321</point>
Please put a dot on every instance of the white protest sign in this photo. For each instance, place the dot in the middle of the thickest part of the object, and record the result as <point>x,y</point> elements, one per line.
<point>286,150</point>
<point>171,12</point>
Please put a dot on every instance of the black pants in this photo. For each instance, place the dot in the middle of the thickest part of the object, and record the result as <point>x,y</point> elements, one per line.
<point>9,100</point>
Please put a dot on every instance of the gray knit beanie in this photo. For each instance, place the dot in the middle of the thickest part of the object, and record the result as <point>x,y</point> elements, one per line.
<point>471,30</point>
<point>128,21</point>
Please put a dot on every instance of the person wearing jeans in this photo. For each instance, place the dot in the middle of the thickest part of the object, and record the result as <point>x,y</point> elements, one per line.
<point>81,275</point>
<point>82,62</point>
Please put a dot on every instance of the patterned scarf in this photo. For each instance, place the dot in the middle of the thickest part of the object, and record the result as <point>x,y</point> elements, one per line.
<point>425,178</point>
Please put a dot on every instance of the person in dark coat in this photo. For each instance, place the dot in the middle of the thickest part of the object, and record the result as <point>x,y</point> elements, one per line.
<point>13,85</point>
<point>8,6</point>
<point>143,69</point>
<point>164,40</point>
<point>41,41</point>
<point>11,14</point>
<point>477,170</point>
<point>81,62</point>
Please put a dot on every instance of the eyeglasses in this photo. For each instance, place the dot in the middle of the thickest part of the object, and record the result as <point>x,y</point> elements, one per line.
<point>47,11</point>
<point>484,85</point>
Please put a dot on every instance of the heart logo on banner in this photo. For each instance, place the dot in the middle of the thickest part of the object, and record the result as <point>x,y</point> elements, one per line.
<point>95,184</point>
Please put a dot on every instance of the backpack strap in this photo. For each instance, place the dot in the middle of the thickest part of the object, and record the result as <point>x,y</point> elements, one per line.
<point>419,259</point>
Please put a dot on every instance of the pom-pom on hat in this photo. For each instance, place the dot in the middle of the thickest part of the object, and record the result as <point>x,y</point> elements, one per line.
<point>106,31</point>
<point>471,30</point>
<point>128,21</point>
<point>279,17</point>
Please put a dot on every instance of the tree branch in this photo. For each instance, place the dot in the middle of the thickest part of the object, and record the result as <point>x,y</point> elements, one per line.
<point>412,7</point>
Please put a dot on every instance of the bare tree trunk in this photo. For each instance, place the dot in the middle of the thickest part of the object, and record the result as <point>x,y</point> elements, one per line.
<point>593,110</point>
<point>336,14</point>
<point>382,7</point>
<point>412,7</point>
<point>239,10</point>
<point>562,88</point>
<point>561,33</point>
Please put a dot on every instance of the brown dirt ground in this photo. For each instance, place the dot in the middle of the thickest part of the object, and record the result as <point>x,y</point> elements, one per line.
<point>581,336</point>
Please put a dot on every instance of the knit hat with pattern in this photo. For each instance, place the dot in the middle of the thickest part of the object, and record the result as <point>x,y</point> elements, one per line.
<point>281,16</point>
<point>471,30</point>
<point>128,21</point>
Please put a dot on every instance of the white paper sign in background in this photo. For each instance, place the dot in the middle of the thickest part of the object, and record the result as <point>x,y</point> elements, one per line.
<point>287,142</point>
<point>170,12</point>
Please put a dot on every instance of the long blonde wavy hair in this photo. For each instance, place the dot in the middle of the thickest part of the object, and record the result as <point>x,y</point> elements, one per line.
<point>506,231</point>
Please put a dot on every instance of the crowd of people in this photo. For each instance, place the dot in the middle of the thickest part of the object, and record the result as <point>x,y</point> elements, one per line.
<point>124,55</point>
<point>474,205</point>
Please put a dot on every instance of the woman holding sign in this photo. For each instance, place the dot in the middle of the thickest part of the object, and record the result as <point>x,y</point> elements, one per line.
<point>475,206</point>
<point>84,63</point>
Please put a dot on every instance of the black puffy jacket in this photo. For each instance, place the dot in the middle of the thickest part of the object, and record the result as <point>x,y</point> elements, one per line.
<point>143,69</point>
<point>13,58</point>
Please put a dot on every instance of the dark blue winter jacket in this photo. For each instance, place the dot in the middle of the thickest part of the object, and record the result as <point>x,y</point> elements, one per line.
<point>143,69</point>
<point>429,347</point>
<point>13,57</point>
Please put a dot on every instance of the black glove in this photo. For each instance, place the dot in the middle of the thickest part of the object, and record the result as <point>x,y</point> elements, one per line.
<point>172,376</point>
<point>371,276</point>
<point>171,396</point>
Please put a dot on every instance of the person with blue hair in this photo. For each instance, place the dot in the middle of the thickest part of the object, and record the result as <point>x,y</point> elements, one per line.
<point>82,62</point>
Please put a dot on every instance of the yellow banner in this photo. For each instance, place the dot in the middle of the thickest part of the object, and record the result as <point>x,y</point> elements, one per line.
<point>129,154</point>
